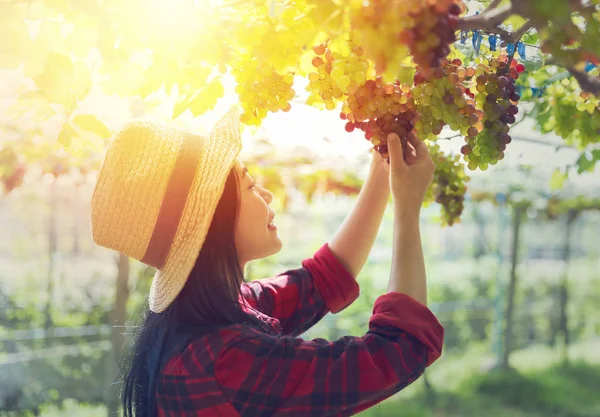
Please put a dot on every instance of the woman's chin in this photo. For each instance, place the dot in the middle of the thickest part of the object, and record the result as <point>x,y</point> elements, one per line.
<point>278,245</point>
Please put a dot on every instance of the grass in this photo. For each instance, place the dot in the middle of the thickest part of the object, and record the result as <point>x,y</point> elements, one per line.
<point>557,391</point>
<point>452,370</point>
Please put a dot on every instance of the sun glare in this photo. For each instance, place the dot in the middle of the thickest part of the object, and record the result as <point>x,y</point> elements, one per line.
<point>175,19</point>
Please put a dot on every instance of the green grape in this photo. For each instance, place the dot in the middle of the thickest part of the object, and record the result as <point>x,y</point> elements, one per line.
<point>336,75</point>
<point>261,89</point>
<point>571,113</point>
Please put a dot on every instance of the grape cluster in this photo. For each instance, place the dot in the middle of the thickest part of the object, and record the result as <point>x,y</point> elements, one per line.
<point>448,187</point>
<point>442,99</point>
<point>376,25</point>
<point>378,109</point>
<point>336,74</point>
<point>571,113</point>
<point>261,89</point>
<point>494,90</point>
<point>431,32</point>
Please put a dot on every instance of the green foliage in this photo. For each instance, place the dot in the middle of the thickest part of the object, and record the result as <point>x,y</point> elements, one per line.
<point>563,390</point>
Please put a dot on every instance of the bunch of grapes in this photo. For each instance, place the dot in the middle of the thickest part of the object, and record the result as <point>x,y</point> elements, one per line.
<point>261,89</point>
<point>376,25</point>
<point>431,32</point>
<point>442,99</point>
<point>571,113</point>
<point>378,109</point>
<point>391,30</point>
<point>448,187</point>
<point>493,88</point>
<point>336,74</point>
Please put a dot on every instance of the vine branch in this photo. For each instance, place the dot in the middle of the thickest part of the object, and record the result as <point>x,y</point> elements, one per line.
<point>489,22</point>
<point>486,21</point>
<point>493,15</point>
<point>586,82</point>
<point>519,33</point>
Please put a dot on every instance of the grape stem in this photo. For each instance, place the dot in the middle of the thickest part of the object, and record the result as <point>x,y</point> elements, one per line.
<point>519,33</point>
<point>521,139</point>
<point>490,20</point>
<point>458,135</point>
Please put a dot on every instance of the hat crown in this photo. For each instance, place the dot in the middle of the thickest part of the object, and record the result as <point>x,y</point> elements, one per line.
<point>133,180</point>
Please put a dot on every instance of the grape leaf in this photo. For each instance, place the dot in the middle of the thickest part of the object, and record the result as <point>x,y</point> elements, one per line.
<point>180,107</point>
<point>81,83</point>
<point>53,91</point>
<point>206,98</point>
<point>66,136</point>
<point>33,104</point>
<point>13,32</point>
<point>54,83</point>
<point>515,21</point>
<point>90,123</point>
<point>584,164</point>
<point>557,181</point>
<point>49,38</point>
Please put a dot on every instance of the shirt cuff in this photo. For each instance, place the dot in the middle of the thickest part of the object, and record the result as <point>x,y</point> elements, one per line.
<point>337,286</point>
<point>399,310</point>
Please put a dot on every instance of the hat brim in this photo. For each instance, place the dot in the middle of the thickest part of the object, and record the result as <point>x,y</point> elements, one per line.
<point>222,147</point>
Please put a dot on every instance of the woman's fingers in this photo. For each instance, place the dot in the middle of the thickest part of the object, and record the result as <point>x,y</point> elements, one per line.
<point>410,154</point>
<point>395,150</point>
<point>419,146</point>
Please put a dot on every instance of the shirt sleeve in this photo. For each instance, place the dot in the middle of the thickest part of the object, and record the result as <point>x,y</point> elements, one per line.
<point>300,298</point>
<point>261,374</point>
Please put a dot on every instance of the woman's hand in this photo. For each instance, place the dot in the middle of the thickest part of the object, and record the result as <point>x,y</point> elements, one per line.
<point>380,166</point>
<point>411,172</point>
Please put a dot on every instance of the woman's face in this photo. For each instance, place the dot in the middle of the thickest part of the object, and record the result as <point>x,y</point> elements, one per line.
<point>255,234</point>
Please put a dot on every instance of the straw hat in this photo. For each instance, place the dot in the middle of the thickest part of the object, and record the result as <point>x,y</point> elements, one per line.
<point>156,194</point>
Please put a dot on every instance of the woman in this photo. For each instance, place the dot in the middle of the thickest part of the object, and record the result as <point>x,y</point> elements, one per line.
<point>213,344</point>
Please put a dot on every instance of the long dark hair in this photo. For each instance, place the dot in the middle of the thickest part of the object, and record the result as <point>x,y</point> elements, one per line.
<point>208,300</point>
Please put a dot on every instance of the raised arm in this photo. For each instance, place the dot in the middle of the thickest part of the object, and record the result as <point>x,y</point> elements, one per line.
<point>300,298</point>
<point>261,374</point>
<point>353,241</point>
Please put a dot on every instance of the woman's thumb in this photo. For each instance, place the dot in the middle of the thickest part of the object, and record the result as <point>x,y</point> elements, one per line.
<point>395,149</point>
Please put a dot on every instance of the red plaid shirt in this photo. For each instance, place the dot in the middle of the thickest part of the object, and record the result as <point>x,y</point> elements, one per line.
<point>242,371</point>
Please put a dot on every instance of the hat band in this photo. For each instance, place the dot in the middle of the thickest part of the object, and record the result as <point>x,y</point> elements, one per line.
<point>173,203</point>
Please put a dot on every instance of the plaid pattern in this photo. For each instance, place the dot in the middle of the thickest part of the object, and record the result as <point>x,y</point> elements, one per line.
<point>242,371</point>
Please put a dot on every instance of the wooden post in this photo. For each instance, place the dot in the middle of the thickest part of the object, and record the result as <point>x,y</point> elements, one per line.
<point>518,211</point>
<point>563,292</point>
<point>52,248</point>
